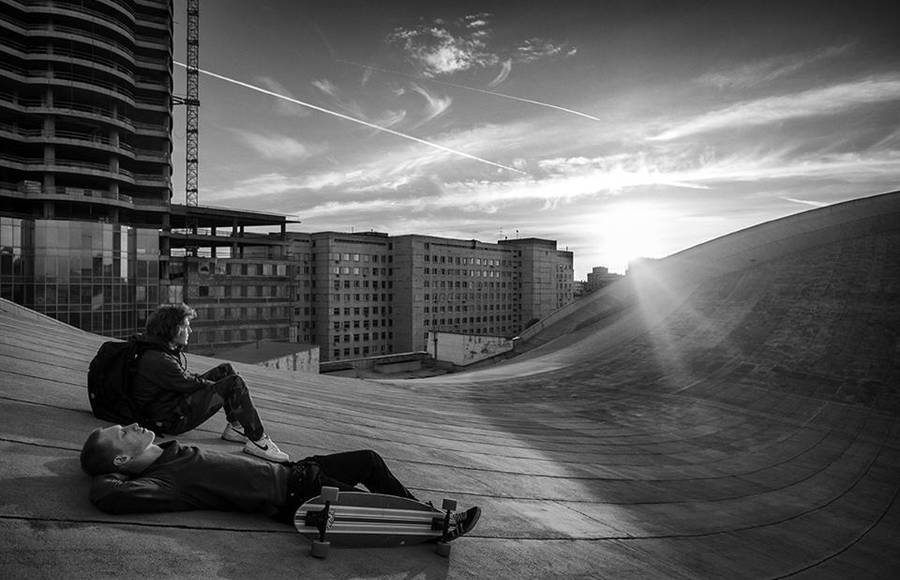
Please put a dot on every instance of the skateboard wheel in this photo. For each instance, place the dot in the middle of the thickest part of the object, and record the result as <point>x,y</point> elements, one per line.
<point>330,494</point>
<point>449,504</point>
<point>320,549</point>
<point>442,549</point>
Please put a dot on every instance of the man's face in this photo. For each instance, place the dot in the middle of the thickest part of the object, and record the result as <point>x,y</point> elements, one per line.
<point>183,333</point>
<point>128,441</point>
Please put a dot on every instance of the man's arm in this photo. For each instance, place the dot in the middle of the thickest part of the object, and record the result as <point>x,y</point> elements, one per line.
<point>116,493</point>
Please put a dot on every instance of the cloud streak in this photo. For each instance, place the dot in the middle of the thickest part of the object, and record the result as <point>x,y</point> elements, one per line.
<point>810,103</point>
<point>276,147</point>
<point>354,120</point>
<point>767,70</point>
<point>436,105</point>
<point>476,90</point>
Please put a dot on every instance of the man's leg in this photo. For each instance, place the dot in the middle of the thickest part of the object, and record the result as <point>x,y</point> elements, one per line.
<point>230,393</point>
<point>234,396</point>
<point>351,468</point>
<point>219,372</point>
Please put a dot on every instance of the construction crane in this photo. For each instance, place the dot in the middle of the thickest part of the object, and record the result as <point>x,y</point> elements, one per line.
<point>192,103</point>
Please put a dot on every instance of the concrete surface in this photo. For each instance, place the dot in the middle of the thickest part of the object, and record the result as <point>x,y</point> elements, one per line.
<point>731,412</point>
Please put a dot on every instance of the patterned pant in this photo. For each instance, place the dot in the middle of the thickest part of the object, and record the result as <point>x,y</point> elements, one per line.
<point>229,391</point>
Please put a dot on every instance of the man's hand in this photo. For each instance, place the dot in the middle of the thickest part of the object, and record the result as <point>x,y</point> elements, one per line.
<point>111,479</point>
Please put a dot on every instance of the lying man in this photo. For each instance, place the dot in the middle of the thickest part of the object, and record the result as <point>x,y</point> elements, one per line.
<point>132,474</point>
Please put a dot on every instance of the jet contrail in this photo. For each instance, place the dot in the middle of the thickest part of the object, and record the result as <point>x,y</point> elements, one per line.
<point>353,119</point>
<point>494,93</point>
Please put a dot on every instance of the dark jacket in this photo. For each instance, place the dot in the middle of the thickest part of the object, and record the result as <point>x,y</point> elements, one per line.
<point>162,383</point>
<point>186,477</point>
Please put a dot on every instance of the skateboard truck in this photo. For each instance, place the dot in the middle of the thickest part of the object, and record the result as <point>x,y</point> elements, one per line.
<point>322,520</point>
<point>443,545</point>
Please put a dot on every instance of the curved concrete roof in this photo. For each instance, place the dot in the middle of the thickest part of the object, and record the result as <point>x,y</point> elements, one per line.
<point>732,411</point>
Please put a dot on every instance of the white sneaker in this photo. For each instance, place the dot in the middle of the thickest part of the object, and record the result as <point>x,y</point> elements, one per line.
<point>266,448</point>
<point>235,434</point>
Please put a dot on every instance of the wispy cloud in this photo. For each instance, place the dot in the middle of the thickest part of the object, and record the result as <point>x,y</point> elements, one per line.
<point>535,49</point>
<point>276,147</point>
<point>505,69</point>
<point>809,103</point>
<point>755,73</point>
<point>435,106</point>
<point>806,202</point>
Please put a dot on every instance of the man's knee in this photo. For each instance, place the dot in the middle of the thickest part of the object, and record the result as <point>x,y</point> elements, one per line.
<point>371,457</point>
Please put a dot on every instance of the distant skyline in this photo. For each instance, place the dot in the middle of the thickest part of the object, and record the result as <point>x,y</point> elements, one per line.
<point>620,129</point>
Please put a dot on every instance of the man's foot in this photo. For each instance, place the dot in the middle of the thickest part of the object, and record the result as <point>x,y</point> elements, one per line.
<point>464,522</point>
<point>236,434</point>
<point>266,448</point>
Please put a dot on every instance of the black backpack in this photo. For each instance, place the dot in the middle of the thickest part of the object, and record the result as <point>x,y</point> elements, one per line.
<point>109,380</point>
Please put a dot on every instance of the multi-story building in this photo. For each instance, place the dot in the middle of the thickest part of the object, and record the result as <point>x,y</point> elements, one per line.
<point>548,277</point>
<point>462,286</point>
<point>599,277</point>
<point>353,294</point>
<point>370,294</point>
<point>85,119</point>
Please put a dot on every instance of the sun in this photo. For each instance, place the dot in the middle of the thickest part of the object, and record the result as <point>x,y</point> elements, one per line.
<point>628,231</point>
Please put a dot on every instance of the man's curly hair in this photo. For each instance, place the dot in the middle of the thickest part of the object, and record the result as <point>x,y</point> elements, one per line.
<point>163,324</point>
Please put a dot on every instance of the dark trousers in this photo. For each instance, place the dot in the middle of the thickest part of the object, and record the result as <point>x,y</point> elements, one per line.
<point>229,392</point>
<point>341,470</point>
<point>351,468</point>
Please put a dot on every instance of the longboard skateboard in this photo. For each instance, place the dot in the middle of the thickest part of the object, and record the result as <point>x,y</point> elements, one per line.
<point>359,519</point>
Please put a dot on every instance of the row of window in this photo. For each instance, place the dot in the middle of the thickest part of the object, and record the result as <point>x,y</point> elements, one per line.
<point>360,297</point>
<point>238,335</point>
<point>466,320</point>
<point>464,260</point>
<point>363,337</point>
<point>362,351</point>
<point>464,296</point>
<point>223,268</point>
<point>347,284</point>
<point>365,258</point>
<point>365,323</point>
<point>463,285</point>
<point>362,311</point>
<point>250,291</point>
<point>241,313</point>
<point>357,271</point>
<point>474,307</point>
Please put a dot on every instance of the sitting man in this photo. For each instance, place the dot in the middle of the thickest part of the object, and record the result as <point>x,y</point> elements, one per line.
<point>132,474</point>
<point>172,400</point>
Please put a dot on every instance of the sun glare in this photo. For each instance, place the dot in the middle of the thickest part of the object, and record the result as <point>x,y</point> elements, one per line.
<point>630,231</point>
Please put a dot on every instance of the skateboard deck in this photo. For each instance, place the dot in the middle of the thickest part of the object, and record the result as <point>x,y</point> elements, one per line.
<point>359,519</point>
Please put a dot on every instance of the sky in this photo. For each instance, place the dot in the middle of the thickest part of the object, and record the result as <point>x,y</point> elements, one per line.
<point>620,129</point>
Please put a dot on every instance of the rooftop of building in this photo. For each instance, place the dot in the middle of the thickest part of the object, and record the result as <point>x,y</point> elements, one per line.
<point>262,351</point>
<point>728,412</point>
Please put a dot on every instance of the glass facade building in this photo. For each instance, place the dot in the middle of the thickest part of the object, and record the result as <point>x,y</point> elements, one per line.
<point>99,277</point>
